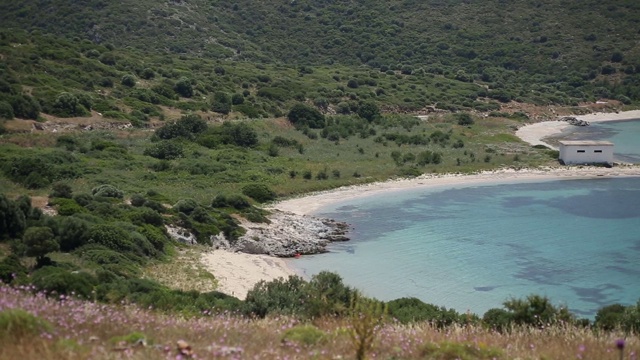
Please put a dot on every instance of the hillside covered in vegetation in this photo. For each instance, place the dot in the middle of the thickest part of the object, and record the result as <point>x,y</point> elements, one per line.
<point>131,130</point>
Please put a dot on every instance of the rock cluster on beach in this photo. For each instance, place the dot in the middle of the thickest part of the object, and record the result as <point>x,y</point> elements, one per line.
<point>287,235</point>
<point>574,121</point>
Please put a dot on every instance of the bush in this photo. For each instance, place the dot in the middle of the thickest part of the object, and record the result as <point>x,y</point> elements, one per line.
<point>464,119</point>
<point>128,80</point>
<point>280,296</point>
<point>306,335</point>
<point>536,310</point>
<point>184,87</point>
<point>11,268</point>
<point>67,207</point>
<point>303,116</point>
<point>186,206</point>
<point>17,323</point>
<point>221,103</point>
<point>6,111</point>
<point>39,241</point>
<point>368,111</point>
<point>62,281</point>
<point>107,190</point>
<point>165,150</point>
<point>186,127</point>
<point>61,190</point>
<point>13,219</point>
<point>112,237</point>
<point>68,105</point>
<point>235,201</point>
<point>497,319</point>
<point>610,317</point>
<point>259,192</point>
<point>408,310</point>
<point>72,232</point>
<point>137,200</point>
<point>460,351</point>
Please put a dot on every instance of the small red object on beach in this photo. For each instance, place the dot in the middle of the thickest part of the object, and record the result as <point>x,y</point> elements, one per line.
<point>297,255</point>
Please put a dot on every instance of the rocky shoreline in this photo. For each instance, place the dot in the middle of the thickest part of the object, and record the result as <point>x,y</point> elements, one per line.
<point>287,235</point>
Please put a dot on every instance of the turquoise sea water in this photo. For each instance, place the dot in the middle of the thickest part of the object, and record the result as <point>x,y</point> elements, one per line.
<point>472,248</point>
<point>625,136</point>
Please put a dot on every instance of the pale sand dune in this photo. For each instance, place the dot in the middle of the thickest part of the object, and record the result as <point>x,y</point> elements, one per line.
<point>237,273</point>
<point>534,134</point>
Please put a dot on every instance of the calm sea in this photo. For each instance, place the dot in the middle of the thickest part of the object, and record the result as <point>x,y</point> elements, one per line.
<point>625,136</point>
<point>473,247</point>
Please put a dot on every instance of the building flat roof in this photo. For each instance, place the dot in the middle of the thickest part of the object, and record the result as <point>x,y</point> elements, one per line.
<point>586,143</point>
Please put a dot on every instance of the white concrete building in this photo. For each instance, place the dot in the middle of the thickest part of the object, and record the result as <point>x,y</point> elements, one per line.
<point>586,152</point>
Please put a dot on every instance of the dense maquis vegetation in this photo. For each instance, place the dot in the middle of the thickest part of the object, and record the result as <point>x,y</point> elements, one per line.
<point>237,104</point>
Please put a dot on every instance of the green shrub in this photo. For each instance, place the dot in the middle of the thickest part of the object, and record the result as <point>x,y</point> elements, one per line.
<point>18,323</point>
<point>303,116</point>
<point>11,268</point>
<point>137,200</point>
<point>128,80</point>
<point>145,215</point>
<point>6,111</point>
<point>497,319</point>
<point>409,310</point>
<point>107,190</point>
<point>165,150</point>
<point>280,296</point>
<point>259,192</point>
<point>536,310</point>
<point>185,206</point>
<point>461,351</point>
<point>111,236</point>
<point>464,119</point>
<point>307,335</point>
<point>61,190</point>
<point>39,241</point>
<point>72,232</point>
<point>67,207</point>
<point>63,281</point>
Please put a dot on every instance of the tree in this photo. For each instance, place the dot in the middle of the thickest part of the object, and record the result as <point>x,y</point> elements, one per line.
<point>302,116</point>
<point>259,192</point>
<point>221,103</point>
<point>237,99</point>
<point>610,317</point>
<point>617,57</point>
<point>24,107</point>
<point>6,111</point>
<point>13,220</point>
<point>128,80</point>
<point>369,111</point>
<point>184,87</point>
<point>536,310</point>
<point>40,241</point>
<point>464,119</point>
<point>61,190</point>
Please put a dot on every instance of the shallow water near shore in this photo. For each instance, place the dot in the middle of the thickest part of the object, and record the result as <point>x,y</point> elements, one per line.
<point>473,247</point>
<point>625,136</point>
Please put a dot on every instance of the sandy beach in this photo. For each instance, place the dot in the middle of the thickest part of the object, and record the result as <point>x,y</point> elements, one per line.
<point>237,273</point>
<point>534,134</point>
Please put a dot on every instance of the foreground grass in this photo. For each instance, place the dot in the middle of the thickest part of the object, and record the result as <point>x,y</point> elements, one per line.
<point>77,329</point>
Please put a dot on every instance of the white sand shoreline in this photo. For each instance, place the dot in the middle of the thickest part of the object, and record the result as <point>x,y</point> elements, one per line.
<point>535,133</point>
<point>237,273</point>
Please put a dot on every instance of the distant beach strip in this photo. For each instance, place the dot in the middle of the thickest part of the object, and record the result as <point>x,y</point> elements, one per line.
<point>237,273</point>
